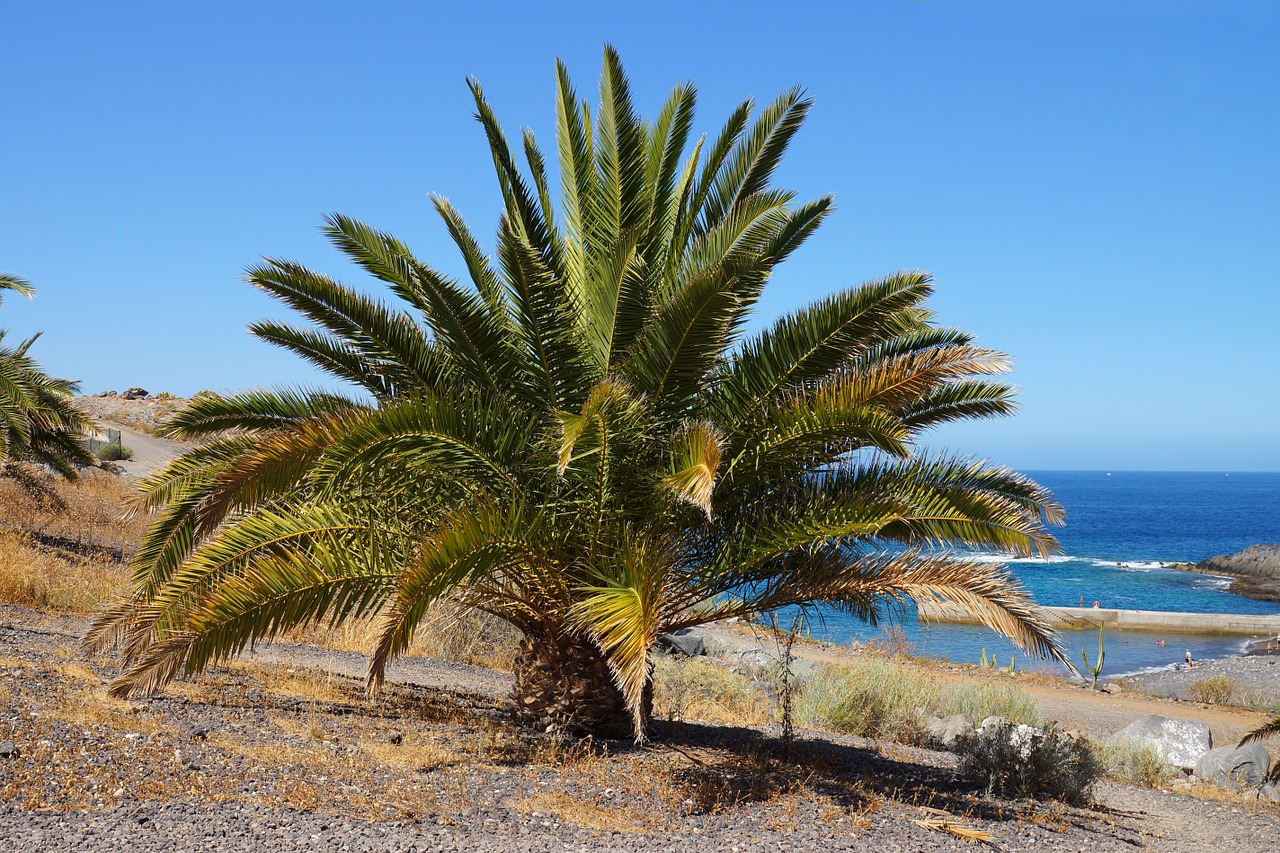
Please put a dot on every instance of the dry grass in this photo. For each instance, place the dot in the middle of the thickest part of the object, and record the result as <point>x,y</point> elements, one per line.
<point>63,545</point>
<point>35,576</point>
<point>693,689</point>
<point>469,637</point>
<point>588,812</point>
<point>87,514</point>
<point>1212,690</point>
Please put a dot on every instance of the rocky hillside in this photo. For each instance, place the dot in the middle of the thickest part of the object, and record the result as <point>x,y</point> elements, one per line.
<point>134,408</point>
<point>1256,571</point>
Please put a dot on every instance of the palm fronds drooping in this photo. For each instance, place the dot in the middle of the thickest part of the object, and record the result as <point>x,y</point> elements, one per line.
<point>582,438</point>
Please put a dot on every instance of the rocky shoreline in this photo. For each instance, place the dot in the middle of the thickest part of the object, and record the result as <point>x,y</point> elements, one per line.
<point>1255,571</point>
<point>1255,677</point>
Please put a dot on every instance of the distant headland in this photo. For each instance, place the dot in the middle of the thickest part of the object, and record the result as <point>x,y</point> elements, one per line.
<point>1255,571</point>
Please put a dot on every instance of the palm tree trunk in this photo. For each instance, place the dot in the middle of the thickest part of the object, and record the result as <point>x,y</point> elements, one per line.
<point>564,681</point>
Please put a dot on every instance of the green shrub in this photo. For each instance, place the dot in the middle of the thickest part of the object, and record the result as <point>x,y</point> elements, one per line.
<point>1137,764</point>
<point>1213,690</point>
<point>1003,759</point>
<point>114,452</point>
<point>981,699</point>
<point>872,698</point>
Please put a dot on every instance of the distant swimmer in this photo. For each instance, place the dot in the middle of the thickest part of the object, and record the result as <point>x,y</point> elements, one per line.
<point>1096,605</point>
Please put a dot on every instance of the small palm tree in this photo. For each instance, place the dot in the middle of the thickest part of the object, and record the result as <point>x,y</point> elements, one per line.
<point>38,424</point>
<point>581,441</point>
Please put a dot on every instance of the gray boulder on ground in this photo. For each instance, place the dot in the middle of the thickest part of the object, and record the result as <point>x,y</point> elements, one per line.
<point>942,732</point>
<point>1235,766</point>
<point>136,394</point>
<point>1270,792</point>
<point>683,642</point>
<point>1179,743</point>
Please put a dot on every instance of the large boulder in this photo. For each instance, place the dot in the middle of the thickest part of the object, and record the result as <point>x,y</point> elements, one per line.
<point>1235,766</point>
<point>1179,743</point>
<point>942,732</point>
<point>683,642</point>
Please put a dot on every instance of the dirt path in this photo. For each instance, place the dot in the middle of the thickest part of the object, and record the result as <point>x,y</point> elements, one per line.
<point>150,452</point>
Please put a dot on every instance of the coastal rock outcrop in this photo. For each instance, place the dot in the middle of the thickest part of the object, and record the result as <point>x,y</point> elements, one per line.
<point>1179,743</point>
<point>1255,571</point>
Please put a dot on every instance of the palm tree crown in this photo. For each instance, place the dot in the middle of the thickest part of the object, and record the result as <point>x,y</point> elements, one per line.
<point>38,424</point>
<point>581,439</point>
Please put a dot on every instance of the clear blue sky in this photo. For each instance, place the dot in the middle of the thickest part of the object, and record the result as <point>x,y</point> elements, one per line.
<point>1093,184</point>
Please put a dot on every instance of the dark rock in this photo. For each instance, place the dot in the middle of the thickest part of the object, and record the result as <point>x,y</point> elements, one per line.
<point>135,394</point>
<point>683,642</point>
<point>1235,766</point>
<point>1179,743</point>
<point>396,738</point>
<point>8,750</point>
<point>198,731</point>
<point>1255,571</point>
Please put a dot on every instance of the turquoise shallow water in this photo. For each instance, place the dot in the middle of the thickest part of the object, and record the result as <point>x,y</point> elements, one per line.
<point>1121,527</point>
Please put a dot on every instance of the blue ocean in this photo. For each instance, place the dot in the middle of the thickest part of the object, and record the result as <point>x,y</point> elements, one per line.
<point>1121,528</point>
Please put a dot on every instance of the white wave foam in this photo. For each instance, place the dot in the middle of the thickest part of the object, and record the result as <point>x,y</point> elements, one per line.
<point>1000,558</point>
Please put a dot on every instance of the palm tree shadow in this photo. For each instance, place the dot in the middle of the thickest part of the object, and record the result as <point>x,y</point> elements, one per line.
<point>727,766</point>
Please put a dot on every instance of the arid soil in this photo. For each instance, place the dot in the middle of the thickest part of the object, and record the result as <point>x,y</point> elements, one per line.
<point>284,750</point>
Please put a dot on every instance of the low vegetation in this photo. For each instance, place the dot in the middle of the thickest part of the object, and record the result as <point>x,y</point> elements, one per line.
<point>699,689</point>
<point>1009,760</point>
<point>1137,763</point>
<point>1213,690</point>
<point>884,698</point>
<point>64,544</point>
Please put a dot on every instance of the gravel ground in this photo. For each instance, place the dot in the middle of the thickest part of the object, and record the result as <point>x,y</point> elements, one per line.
<point>1256,678</point>
<point>274,753</point>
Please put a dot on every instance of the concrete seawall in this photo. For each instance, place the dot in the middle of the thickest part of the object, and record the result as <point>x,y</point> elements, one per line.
<point>1129,620</point>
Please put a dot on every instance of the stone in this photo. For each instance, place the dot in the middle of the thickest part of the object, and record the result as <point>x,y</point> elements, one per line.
<point>1179,743</point>
<point>8,750</point>
<point>943,731</point>
<point>198,731</point>
<point>1020,734</point>
<point>136,394</point>
<point>1235,766</point>
<point>1270,792</point>
<point>685,642</point>
<point>395,739</point>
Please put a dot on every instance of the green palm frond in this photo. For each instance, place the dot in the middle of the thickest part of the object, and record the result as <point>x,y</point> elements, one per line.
<point>815,342</point>
<point>16,284</point>
<point>624,611</point>
<point>574,436</point>
<point>471,543</point>
<point>254,411</point>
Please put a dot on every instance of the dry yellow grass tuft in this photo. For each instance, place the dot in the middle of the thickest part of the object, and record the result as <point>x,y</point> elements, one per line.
<point>589,813</point>
<point>32,575</point>
<point>63,545</point>
<point>88,513</point>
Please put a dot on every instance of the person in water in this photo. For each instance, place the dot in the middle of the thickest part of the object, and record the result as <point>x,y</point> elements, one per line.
<point>1191,662</point>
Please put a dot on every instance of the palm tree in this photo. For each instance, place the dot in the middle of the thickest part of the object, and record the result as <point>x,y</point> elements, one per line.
<point>1271,728</point>
<point>581,440</point>
<point>38,424</point>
